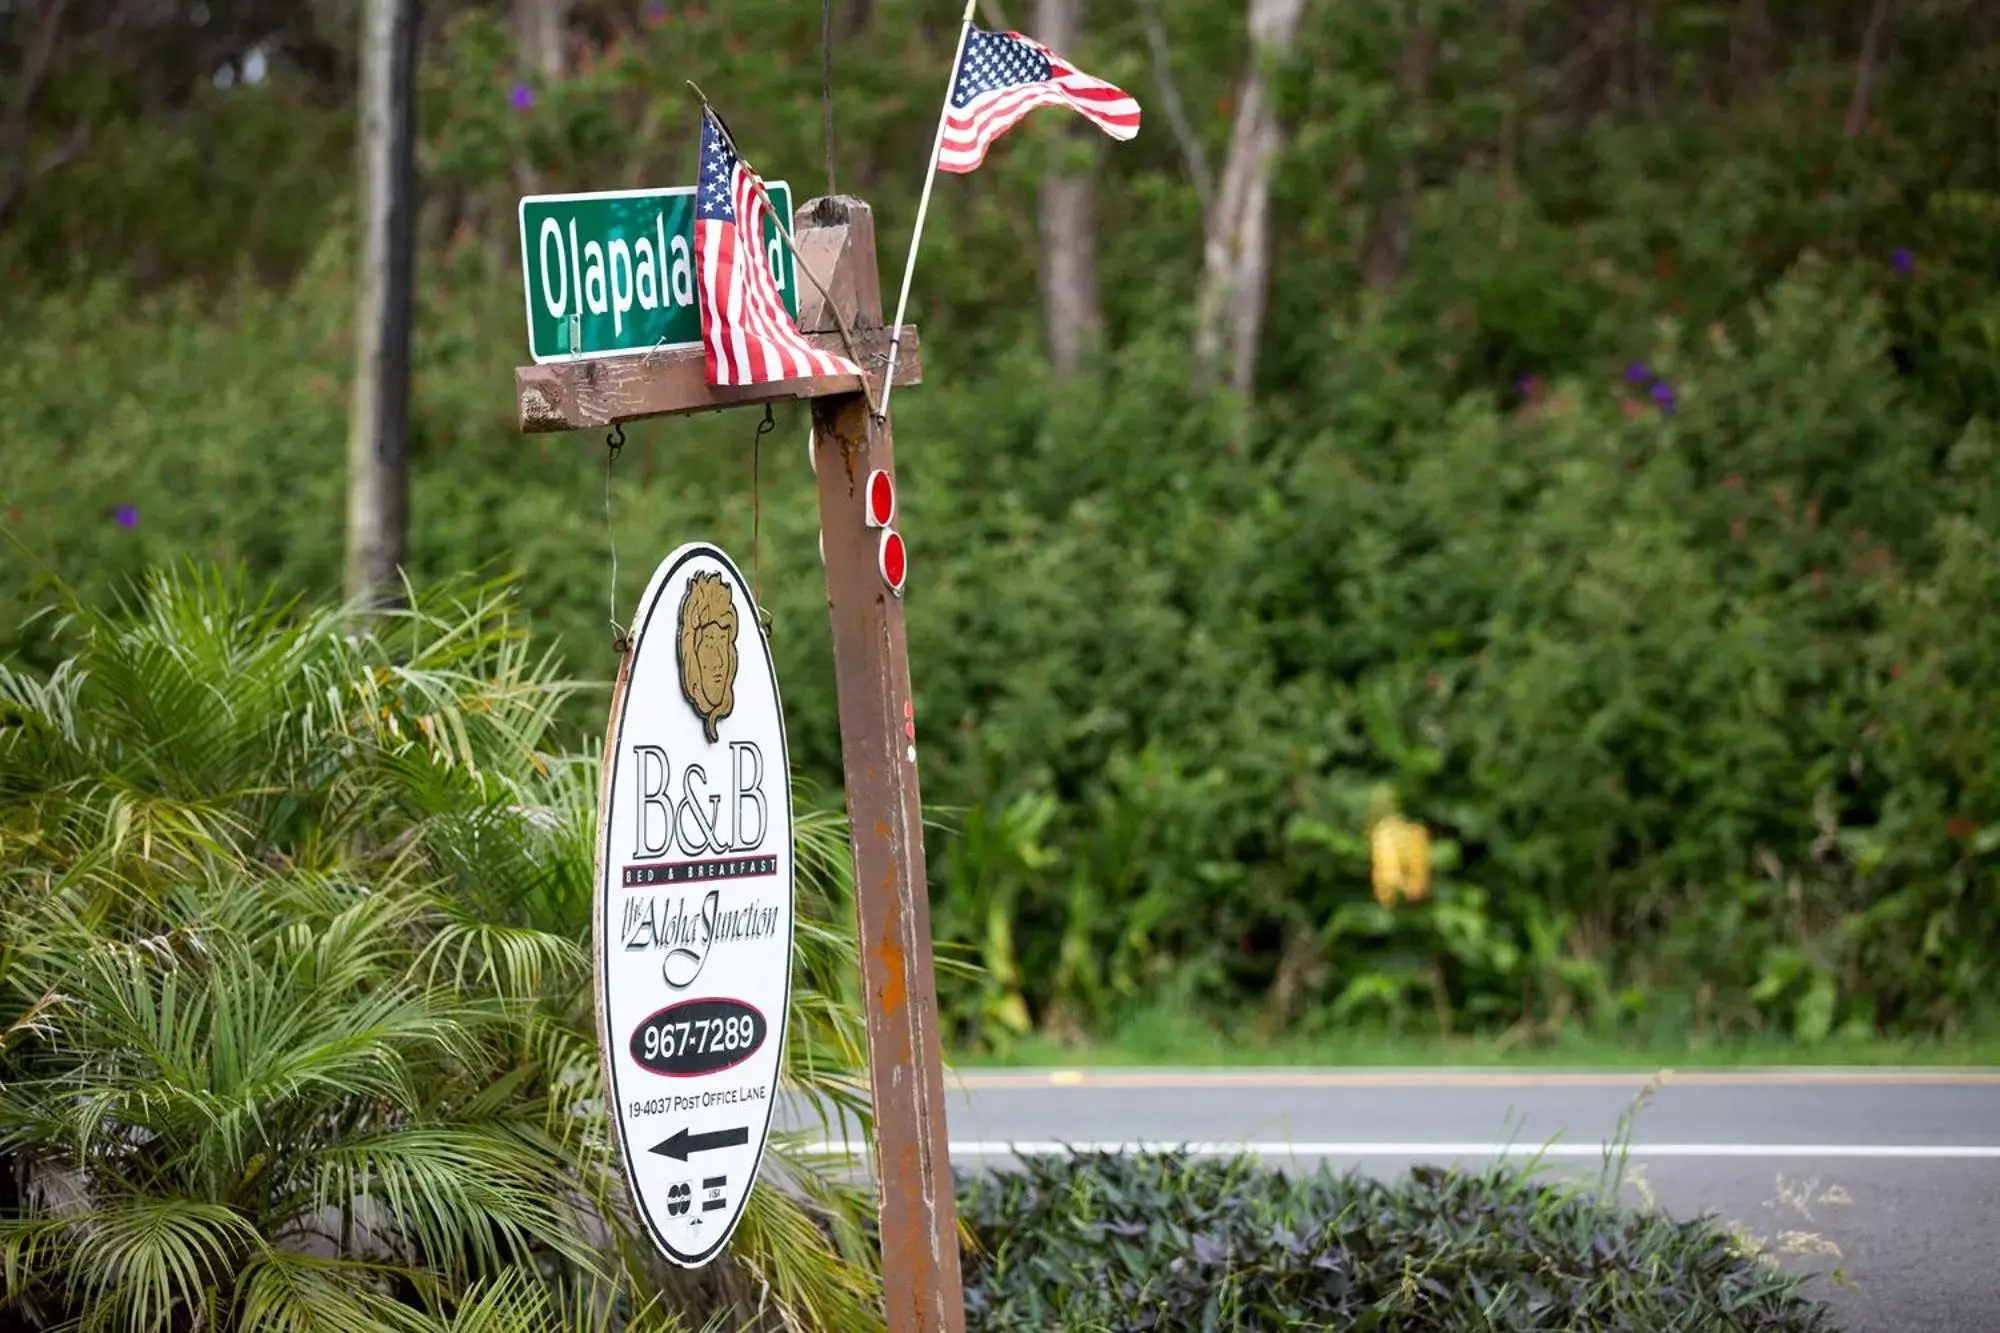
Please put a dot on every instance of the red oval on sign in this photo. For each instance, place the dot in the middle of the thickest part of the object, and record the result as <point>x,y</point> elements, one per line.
<point>696,1037</point>
<point>893,560</point>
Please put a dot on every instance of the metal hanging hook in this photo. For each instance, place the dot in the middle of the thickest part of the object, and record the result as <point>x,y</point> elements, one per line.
<point>615,441</point>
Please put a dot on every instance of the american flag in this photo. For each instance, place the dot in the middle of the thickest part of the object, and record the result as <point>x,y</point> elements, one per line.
<point>747,335</point>
<point>1002,77</point>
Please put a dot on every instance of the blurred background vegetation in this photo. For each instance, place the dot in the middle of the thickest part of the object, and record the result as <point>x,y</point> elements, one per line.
<point>1601,473</point>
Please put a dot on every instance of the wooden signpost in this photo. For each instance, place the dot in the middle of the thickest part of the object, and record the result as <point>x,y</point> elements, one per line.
<point>854,461</point>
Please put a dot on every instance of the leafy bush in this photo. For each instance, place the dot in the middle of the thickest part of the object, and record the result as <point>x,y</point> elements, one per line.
<point>1162,1241</point>
<point>295,1016</point>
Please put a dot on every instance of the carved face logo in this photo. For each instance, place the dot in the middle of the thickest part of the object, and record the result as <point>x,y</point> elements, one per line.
<point>708,649</point>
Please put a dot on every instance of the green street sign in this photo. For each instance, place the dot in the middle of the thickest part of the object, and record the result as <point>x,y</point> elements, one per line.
<point>613,273</point>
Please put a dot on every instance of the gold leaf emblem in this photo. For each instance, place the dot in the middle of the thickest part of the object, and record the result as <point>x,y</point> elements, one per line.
<point>708,650</point>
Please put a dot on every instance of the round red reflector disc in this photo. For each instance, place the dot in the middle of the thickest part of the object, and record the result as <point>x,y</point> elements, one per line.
<point>893,561</point>
<point>881,499</point>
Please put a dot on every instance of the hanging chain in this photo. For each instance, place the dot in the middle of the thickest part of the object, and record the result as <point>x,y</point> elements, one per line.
<point>613,442</point>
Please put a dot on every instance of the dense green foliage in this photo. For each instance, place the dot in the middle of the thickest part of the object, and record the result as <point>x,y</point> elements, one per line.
<point>1166,1242</point>
<point>1691,683</point>
<point>295,1034</point>
<point>296,1027</point>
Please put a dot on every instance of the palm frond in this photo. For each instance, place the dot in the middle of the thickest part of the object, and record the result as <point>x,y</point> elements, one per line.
<point>780,1245</point>
<point>156,1258</point>
<point>517,1302</point>
<point>467,1195</point>
<point>284,1292</point>
<point>515,962</point>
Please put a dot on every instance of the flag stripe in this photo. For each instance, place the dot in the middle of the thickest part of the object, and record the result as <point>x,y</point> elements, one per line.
<point>962,130</point>
<point>709,241</point>
<point>791,357</point>
<point>966,140</point>
<point>749,316</point>
<point>765,317</point>
<point>774,322</point>
<point>748,336</point>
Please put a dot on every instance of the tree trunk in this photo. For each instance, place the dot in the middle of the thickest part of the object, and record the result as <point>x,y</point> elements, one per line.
<point>1236,254</point>
<point>1749,46</point>
<point>1640,23</point>
<point>1183,129</point>
<point>541,33</point>
<point>1512,110</point>
<point>378,430</point>
<point>1068,220</point>
<point>1864,69</point>
<point>15,127</point>
<point>1387,249</point>
<point>1588,75</point>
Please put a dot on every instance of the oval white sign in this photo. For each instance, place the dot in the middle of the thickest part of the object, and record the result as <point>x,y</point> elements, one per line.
<point>694,904</point>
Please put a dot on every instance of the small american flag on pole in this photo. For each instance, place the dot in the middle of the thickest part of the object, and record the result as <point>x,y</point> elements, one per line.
<point>1001,77</point>
<point>747,335</point>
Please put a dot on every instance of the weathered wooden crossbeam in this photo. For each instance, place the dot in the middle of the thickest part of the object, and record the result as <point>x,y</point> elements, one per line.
<point>604,391</point>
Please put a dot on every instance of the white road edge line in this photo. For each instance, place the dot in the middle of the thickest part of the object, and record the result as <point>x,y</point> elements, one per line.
<point>1919,1151</point>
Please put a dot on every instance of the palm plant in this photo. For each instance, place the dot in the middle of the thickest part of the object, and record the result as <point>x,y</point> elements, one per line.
<point>295,1027</point>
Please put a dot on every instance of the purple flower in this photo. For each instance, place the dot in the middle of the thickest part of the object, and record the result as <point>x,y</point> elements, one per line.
<point>521,96</point>
<point>1663,394</point>
<point>127,516</point>
<point>1903,261</point>
<point>1638,373</point>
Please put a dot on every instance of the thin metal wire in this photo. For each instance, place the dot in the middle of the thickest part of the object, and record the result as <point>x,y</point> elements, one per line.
<point>826,87</point>
<point>613,442</point>
<point>764,427</point>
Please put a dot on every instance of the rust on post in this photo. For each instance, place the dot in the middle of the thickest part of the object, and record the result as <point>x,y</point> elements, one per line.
<point>605,391</point>
<point>919,1223</point>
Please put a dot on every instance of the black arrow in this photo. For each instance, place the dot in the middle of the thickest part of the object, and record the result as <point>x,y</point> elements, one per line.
<point>683,1143</point>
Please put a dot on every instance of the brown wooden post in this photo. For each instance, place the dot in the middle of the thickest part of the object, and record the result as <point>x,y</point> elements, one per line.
<point>919,1215</point>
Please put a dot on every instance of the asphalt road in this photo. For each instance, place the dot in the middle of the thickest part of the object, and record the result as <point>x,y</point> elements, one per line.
<point>1888,1177</point>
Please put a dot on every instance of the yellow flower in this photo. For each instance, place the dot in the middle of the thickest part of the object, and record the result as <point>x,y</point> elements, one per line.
<point>1401,855</point>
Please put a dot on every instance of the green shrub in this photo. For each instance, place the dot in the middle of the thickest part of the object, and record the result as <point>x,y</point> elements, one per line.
<point>1163,1241</point>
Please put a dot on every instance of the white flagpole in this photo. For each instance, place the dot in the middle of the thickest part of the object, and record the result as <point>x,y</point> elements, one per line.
<point>923,208</point>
